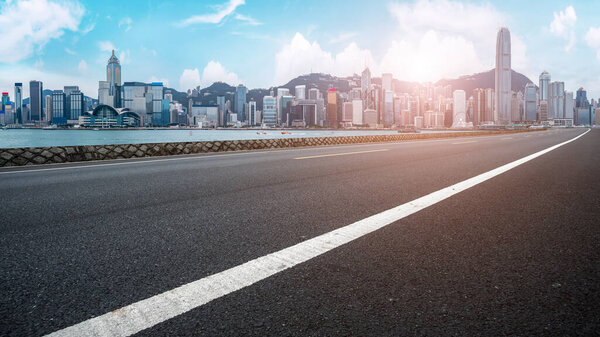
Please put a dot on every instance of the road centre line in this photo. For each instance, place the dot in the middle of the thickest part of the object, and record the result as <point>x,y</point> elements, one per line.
<point>149,312</point>
<point>340,154</point>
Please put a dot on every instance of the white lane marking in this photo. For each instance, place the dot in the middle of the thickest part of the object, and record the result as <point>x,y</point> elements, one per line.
<point>159,308</point>
<point>147,160</point>
<point>339,154</point>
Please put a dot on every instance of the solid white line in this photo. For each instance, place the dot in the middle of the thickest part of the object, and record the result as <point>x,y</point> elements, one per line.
<point>148,160</point>
<point>159,308</point>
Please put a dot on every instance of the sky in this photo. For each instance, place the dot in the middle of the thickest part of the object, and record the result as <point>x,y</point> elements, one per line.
<point>264,43</point>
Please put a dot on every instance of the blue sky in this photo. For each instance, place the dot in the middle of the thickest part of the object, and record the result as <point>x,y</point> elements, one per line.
<point>262,43</point>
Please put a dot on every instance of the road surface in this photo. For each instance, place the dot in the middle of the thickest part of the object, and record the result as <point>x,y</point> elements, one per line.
<point>517,254</point>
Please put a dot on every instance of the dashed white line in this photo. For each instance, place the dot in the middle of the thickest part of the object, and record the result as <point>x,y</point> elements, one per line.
<point>159,308</point>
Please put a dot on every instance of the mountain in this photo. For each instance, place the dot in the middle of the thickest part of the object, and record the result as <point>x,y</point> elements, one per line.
<point>484,80</point>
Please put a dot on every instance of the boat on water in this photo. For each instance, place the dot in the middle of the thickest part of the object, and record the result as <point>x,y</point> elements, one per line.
<point>261,133</point>
<point>50,127</point>
<point>285,133</point>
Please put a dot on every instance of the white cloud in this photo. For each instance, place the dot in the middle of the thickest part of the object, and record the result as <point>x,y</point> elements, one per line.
<point>342,37</point>
<point>106,46</point>
<point>592,38</point>
<point>69,51</point>
<point>215,72</point>
<point>563,26</point>
<point>88,28</point>
<point>82,67</point>
<point>248,20</point>
<point>29,24</point>
<point>39,64</point>
<point>124,57</point>
<point>164,81</point>
<point>125,23</point>
<point>189,79</point>
<point>222,12</point>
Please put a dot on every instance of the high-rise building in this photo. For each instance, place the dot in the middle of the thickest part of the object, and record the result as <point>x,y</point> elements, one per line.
<point>386,81</point>
<point>59,114</point>
<point>222,110</point>
<point>459,118</point>
<point>113,77</point>
<point>251,113</point>
<point>357,111</point>
<point>543,111</point>
<point>544,86</point>
<point>569,104</point>
<point>556,101</point>
<point>76,104</point>
<point>286,106</point>
<point>313,93</point>
<point>48,109</point>
<point>581,99</point>
<point>300,92</point>
<point>19,118</point>
<point>388,101</point>
<point>35,101</point>
<point>490,103</point>
<point>332,108</point>
<point>240,102</point>
<point>365,88</point>
<point>530,103</point>
<point>269,110</point>
<point>104,93</point>
<point>280,93</point>
<point>478,106</point>
<point>503,77</point>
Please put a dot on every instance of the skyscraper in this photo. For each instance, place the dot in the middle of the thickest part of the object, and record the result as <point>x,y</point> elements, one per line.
<point>386,81</point>
<point>59,115</point>
<point>280,93</point>
<point>460,109</point>
<point>503,77</point>
<point>19,118</point>
<point>556,101</point>
<point>478,106</point>
<point>113,77</point>
<point>530,102</point>
<point>332,108</point>
<point>544,84</point>
<point>35,101</point>
<point>240,102</point>
<point>269,110</point>
<point>300,91</point>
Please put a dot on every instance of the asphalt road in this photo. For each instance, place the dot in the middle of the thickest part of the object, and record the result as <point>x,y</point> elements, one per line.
<point>518,254</point>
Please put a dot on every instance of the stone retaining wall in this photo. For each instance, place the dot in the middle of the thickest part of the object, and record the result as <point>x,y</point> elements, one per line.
<point>62,154</point>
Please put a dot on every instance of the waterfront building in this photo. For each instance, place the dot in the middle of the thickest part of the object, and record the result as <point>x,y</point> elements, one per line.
<point>543,111</point>
<point>388,112</point>
<point>478,106</point>
<point>104,93</point>
<point>332,108</point>
<point>204,115</point>
<point>581,99</point>
<point>59,115</point>
<point>347,113</point>
<point>569,105</point>
<point>503,77</point>
<point>370,118</point>
<point>300,92</point>
<point>357,111</point>
<point>556,101</point>
<point>530,113</point>
<point>490,102</point>
<point>251,113</point>
<point>19,117</point>
<point>240,102</point>
<point>36,104</point>
<point>113,77</point>
<point>459,118</point>
<point>76,104</point>
<point>222,110</point>
<point>48,109</point>
<point>269,110</point>
<point>544,86</point>
<point>386,81</point>
<point>106,116</point>
<point>280,93</point>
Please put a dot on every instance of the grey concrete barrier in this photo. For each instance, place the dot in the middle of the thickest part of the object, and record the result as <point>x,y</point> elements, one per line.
<point>67,154</point>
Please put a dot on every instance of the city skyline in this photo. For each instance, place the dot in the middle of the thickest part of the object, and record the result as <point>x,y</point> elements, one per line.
<point>74,51</point>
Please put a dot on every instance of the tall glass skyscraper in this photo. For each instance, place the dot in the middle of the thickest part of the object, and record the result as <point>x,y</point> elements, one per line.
<point>113,77</point>
<point>19,118</point>
<point>544,84</point>
<point>503,77</point>
<point>35,101</point>
<point>240,102</point>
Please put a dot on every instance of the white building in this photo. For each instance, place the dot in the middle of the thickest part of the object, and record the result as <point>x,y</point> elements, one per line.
<point>459,118</point>
<point>386,81</point>
<point>503,77</point>
<point>357,111</point>
<point>300,92</point>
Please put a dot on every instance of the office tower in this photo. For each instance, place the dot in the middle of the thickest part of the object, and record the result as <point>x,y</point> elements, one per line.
<point>490,100</point>
<point>332,108</point>
<point>530,103</point>
<point>76,104</point>
<point>515,107</point>
<point>48,109</point>
<point>300,92</point>
<point>19,118</point>
<point>544,85</point>
<point>59,115</point>
<point>269,110</point>
<point>556,100</point>
<point>157,91</point>
<point>68,90</point>
<point>581,99</point>
<point>543,111</point>
<point>240,102</point>
<point>478,106</point>
<point>569,104</point>
<point>388,114</point>
<point>35,101</point>
<point>503,77</point>
<point>222,110</point>
<point>280,93</point>
<point>286,106</point>
<point>357,111</point>
<point>386,81</point>
<point>169,96</point>
<point>104,93</point>
<point>251,113</point>
<point>365,88</point>
<point>313,93</point>
<point>459,118</point>
<point>113,77</point>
